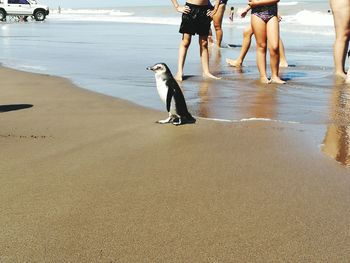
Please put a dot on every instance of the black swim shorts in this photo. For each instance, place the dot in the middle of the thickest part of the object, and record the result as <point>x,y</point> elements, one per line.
<point>197,21</point>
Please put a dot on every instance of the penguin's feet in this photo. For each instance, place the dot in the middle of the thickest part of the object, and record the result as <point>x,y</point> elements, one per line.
<point>177,121</point>
<point>167,120</point>
<point>184,120</point>
<point>191,121</point>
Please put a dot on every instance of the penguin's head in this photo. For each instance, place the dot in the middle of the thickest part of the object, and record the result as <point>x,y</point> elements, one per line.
<point>159,68</point>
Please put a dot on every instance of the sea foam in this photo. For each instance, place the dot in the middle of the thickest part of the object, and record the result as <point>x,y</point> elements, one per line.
<point>96,12</point>
<point>304,21</point>
<point>111,15</point>
<point>310,18</point>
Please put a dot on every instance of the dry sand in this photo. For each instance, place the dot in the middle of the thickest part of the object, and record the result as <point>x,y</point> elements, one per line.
<point>90,178</point>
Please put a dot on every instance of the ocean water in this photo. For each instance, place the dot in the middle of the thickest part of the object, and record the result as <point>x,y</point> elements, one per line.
<point>107,49</point>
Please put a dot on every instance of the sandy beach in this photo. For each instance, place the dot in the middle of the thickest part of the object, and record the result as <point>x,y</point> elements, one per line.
<point>89,178</point>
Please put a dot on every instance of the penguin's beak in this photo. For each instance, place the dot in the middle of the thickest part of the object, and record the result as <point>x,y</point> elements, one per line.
<point>149,68</point>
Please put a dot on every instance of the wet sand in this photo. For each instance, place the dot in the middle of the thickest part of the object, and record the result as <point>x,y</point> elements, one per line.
<point>89,178</point>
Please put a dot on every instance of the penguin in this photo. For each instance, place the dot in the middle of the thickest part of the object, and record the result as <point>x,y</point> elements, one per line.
<point>170,93</point>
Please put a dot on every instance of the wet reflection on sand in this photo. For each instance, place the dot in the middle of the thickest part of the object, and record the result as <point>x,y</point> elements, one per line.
<point>336,143</point>
<point>203,110</point>
<point>233,102</point>
<point>311,97</point>
<point>239,95</point>
<point>264,105</point>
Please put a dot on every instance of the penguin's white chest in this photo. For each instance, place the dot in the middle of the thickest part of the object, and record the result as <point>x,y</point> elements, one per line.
<point>162,89</point>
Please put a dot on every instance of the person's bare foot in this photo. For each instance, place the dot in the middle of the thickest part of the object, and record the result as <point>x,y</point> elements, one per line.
<point>347,80</point>
<point>283,64</point>
<point>234,63</point>
<point>341,75</point>
<point>210,76</point>
<point>265,80</point>
<point>277,80</point>
<point>178,77</point>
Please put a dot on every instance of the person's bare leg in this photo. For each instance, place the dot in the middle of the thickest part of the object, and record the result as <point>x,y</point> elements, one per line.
<point>283,59</point>
<point>184,44</point>
<point>217,19</point>
<point>247,39</point>
<point>273,44</point>
<point>210,37</point>
<point>204,54</point>
<point>259,30</point>
<point>341,16</point>
<point>347,80</point>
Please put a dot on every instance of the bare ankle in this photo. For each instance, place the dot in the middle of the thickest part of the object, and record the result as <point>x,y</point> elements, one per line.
<point>283,64</point>
<point>234,63</point>
<point>178,76</point>
<point>277,80</point>
<point>264,80</point>
<point>340,75</point>
<point>209,75</point>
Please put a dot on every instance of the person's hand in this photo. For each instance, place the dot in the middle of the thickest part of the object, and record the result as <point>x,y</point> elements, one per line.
<point>183,9</point>
<point>211,13</point>
<point>244,13</point>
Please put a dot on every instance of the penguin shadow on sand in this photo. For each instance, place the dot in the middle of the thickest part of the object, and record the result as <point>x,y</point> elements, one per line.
<point>14,107</point>
<point>170,93</point>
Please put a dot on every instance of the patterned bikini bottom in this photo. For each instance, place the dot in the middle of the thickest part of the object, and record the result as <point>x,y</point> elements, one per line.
<point>265,12</point>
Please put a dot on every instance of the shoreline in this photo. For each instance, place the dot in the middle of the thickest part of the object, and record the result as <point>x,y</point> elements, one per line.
<point>90,178</point>
<point>233,97</point>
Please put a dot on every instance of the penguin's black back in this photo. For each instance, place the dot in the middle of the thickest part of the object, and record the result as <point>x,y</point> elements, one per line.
<point>175,91</point>
<point>180,102</point>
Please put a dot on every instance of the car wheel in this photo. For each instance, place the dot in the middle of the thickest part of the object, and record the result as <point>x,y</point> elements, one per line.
<point>39,15</point>
<point>2,15</point>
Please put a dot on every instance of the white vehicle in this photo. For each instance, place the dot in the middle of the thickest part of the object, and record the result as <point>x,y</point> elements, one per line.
<point>23,8</point>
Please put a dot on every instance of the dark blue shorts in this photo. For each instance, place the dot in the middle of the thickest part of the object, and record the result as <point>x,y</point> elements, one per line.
<point>197,21</point>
